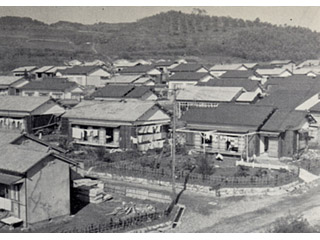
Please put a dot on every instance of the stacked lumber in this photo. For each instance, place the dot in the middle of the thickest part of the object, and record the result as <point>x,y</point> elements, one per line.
<point>91,191</point>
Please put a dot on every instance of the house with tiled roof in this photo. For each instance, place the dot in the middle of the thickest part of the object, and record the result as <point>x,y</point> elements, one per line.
<point>9,85</point>
<point>29,114</point>
<point>126,124</point>
<point>116,92</point>
<point>34,184</point>
<point>228,129</point>
<point>285,134</point>
<point>183,79</point>
<point>23,71</point>
<point>189,67</point>
<point>85,75</point>
<point>148,70</point>
<point>57,88</point>
<point>219,69</point>
<point>236,74</point>
<point>274,72</point>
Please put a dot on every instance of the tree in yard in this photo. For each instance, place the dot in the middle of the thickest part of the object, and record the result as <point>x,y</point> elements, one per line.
<point>204,167</point>
<point>100,152</point>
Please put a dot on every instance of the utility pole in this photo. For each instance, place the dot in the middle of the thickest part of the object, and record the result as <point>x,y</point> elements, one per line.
<point>174,145</point>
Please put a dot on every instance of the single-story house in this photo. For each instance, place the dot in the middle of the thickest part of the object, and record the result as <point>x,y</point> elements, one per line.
<point>248,85</point>
<point>309,63</point>
<point>248,98</point>
<point>23,71</point>
<point>288,64</point>
<point>219,69</point>
<point>148,70</point>
<point>85,75</point>
<point>34,185</point>
<point>29,114</point>
<point>285,134</point>
<point>236,74</point>
<point>130,124</point>
<point>228,129</point>
<point>121,64</point>
<point>275,72</point>
<point>41,72</point>
<point>183,79</point>
<point>189,67</point>
<point>9,85</point>
<point>314,128</point>
<point>116,92</point>
<point>57,88</point>
<point>206,97</point>
<point>304,71</point>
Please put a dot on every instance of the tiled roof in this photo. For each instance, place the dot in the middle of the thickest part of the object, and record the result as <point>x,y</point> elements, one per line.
<point>238,74</point>
<point>127,111</point>
<point>226,67</point>
<point>8,136</point>
<point>287,99</point>
<point>122,79</point>
<point>43,69</point>
<point>210,94</point>
<point>50,84</point>
<point>79,70</point>
<point>19,103</point>
<point>274,71</point>
<point>26,68</point>
<point>138,69</point>
<point>283,120</point>
<point>247,84</point>
<point>113,91</point>
<point>138,92</point>
<point>230,115</point>
<point>17,159</point>
<point>8,80</point>
<point>189,67</point>
<point>247,97</point>
<point>187,76</point>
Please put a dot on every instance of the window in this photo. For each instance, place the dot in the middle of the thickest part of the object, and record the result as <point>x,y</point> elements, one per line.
<point>4,191</point>
<point>43,94</point>
<point>29,94</point>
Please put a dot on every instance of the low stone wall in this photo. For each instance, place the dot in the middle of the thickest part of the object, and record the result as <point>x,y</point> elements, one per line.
<point>222,192</point>
<point>139,193</point>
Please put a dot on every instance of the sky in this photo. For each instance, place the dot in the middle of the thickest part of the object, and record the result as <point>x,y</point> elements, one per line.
<point>295,16</point>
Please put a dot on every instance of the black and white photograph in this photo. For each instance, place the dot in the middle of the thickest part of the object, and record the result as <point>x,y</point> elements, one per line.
<point>159,119</point>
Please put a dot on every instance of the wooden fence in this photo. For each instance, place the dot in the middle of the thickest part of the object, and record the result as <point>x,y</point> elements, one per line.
<point>121,225</point>
<point>196,178</point>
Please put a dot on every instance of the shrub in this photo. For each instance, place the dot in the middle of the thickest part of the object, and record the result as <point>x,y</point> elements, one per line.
<point>292,224</point>
<point>242,171</point>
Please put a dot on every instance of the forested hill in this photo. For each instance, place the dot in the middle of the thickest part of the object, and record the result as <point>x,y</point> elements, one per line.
<point>201,34</point>
<point>24,41</point>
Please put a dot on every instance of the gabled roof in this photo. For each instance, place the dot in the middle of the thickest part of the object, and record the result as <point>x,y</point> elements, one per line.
<point>189,67</point>
<point>113,91</point>
<point>315,108</point>
<point>8,80</point>
<point>17,159</point>
<point>56,69</point>
<point>138,92</point>
<point>23,104</point>
<point>188,76</point>
<point>286,99</point>
<point>236,115</point>
<point>79,70</point>
<point>7,137</point>
<point>123,79</point>
<point>247,84</point>
<point>309,63</point>
<point>283,120</point>
<point>250,65</point>
<point>123,111</point>
<point>226,67</point>
<point>304,71</point>
<point>50,84</point>
<point>239,74</point>
<point>142,69</point>
<point>26,68</point>
<point>295,82</point>
<point>247,97</point>
<point>274,71</point>
<point>210,94</point>
<point>43,69</point>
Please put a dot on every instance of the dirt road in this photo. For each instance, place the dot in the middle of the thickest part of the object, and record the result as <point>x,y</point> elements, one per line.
<point>246,214</point>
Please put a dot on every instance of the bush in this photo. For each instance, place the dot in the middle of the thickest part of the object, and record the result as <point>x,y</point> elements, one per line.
<point>203,166</point>
<point>292,224</point>
<point>242,171</point>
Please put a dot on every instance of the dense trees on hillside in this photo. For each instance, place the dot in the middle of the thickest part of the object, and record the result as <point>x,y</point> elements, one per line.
<point>171,33</point>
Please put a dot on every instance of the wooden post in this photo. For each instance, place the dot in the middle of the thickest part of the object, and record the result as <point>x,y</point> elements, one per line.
<point>247,148</point>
